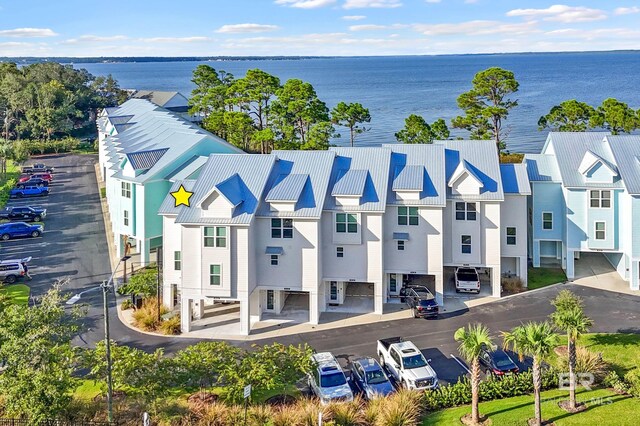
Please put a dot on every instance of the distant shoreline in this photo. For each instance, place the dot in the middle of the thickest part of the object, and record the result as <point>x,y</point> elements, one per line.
<point>142,59</point>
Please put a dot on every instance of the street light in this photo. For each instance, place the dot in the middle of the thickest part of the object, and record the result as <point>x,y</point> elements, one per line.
<point>105,287</point>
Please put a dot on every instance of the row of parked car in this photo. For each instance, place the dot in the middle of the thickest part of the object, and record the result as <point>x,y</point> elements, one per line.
<point>401,364</point>
<point>34,181</point>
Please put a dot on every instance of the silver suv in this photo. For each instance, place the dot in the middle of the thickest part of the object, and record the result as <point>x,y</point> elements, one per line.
<point>327,380</point>
<point>13,269</point>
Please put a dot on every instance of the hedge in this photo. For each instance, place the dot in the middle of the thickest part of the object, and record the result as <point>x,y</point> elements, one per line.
<point>513,385</point>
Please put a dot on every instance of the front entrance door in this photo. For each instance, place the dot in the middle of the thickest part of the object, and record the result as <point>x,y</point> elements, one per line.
<point>334,292</point>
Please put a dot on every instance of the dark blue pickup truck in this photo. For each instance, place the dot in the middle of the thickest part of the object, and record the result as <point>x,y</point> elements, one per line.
<point>29,191</point>
<point>23,214</point>
<point>19,229</point>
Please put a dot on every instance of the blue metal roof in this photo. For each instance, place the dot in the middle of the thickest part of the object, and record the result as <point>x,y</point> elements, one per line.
<point>232,189</point>
<point>408,178</point>
<point>120,119</point>
<point>428,157</point>
<point>481,160</point>
<point>626,151</point>
<point>317,165</point>
<point>515,179</point>
<point>287,188</point>
<point>274,250</point>
<point>144,160</point>
<point>404,236</point>
<point>350,183</point>
<point>542,168</point>
<point>187,169</point>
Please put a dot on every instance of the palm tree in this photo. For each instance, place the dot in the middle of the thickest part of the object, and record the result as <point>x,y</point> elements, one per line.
<point>536,340</point>
<point>574,322</point>
<point>472,340</point>
<point>566,299</point>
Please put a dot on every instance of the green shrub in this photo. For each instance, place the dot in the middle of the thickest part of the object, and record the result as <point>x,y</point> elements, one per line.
<point>103,192</point>
<point>614,381</point>
<point>126,304</point>
<point>400,409</point>
<point>495,388</point>
<point>632,378</point>
<point>170,326</point>
<point>146,317</point>
<point>346,413</point>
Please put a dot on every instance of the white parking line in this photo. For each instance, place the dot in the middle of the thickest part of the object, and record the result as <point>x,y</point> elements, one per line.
<point>461,363</point>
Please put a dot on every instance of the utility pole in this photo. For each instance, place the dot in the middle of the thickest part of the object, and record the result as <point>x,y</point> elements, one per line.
<point>107,342</point>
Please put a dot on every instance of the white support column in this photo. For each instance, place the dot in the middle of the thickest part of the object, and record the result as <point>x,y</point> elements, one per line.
<point>570,265</point>
<point>185,315</point>
<point>143,247</point>
<point>378,297</point>
<point>167,296</point>
<point>634,282</point>
<point>439,288</point>
<point>522,270</point>
<point>496,281</point>
<point>322,297</point>
<point>314,308</point>
<point>245,314</point>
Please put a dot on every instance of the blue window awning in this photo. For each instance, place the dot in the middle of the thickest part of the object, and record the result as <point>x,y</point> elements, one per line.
<point>404,236</point>
<point>274,250</point>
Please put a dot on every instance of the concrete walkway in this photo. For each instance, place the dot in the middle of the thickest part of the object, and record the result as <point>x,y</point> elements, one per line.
<point>594,270</point>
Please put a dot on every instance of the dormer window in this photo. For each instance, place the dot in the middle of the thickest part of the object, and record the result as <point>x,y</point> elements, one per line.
<point>596,169</point>
<point>408,182</point>
<point>349,188</point>
<point>286,193</point>
<point>465,180</point>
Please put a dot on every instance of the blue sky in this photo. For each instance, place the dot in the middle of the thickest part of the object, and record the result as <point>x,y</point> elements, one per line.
<point>313,27</point>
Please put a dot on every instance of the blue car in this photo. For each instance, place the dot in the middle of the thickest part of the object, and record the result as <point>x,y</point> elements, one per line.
<point>370,378</point>
<point>19,229</point>
<point>29,191</point>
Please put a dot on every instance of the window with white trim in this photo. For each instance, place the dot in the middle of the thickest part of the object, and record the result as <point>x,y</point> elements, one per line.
<point>346,223</point>
<point>126,189</point>
<point>215,236</point>
<point>466,211</point>
<point>125,218</point>
<point>407,215</point>
<point>274,260</point>
<point>547,221</point>
<point>215,274</point>
<point>601,230</point>
<point>511,235</point>
<point>339,251</point>
<point>600,199</point>
<point>465,241</point>
<point>401,245</point>
<point>281,228</point>
<point>177,260</point>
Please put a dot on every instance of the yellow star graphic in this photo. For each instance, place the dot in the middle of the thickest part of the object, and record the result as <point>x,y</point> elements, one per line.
<point>182,196</point>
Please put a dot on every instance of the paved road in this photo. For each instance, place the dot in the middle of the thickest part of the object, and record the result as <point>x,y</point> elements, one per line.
<point>75,246</point>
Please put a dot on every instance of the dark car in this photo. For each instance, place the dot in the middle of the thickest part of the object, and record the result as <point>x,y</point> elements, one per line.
<point>369,378</point>
<point>19,229</point>
<point>43,176</point>
<point>422,302</point>
<point>33,182</point>
<point>29,191</point>
<point>497,362</point>
<point>27,213</point>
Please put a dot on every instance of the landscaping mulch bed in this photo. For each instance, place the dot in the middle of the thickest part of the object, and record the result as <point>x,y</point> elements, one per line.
<point>277,400</point>
<point>466,420</point>
<point>579,407</point>
<point>202,398</point>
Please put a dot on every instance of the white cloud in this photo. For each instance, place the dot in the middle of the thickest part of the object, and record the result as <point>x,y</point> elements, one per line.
<point>354,17</point>
<point>28,32</point>
<point>369,27</point>
<point>599,34</point>
<point>246,28</point>
<point>362,4</point>
<point>476,28</point>
<point>626,10</point>
<point>306,4</point>
<point>88,38</point>
<point>433,1</point>
<point>561,13</point>
<point>195,39</point>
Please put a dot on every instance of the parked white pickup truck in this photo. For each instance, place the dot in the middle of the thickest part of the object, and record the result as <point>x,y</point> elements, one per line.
<point>467,279</point>
<point>406,364</point>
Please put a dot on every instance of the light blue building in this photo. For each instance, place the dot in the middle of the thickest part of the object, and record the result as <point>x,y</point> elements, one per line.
<point>585,195</point>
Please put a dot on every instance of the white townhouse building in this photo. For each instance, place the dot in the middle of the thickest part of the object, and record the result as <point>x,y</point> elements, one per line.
<point>341,230</point>
<point>143,148</point>
<point>586,199</point>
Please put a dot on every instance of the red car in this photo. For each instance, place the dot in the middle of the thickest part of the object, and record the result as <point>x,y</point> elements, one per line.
<point>44,176</point>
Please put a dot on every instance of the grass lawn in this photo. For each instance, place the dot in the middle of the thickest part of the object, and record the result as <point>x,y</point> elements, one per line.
<point>622,351</point>
<point>8,182</point>
<point>87,390</point>
<point>542,277</point>
<point>604,407</point>
<point>18,293</point>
